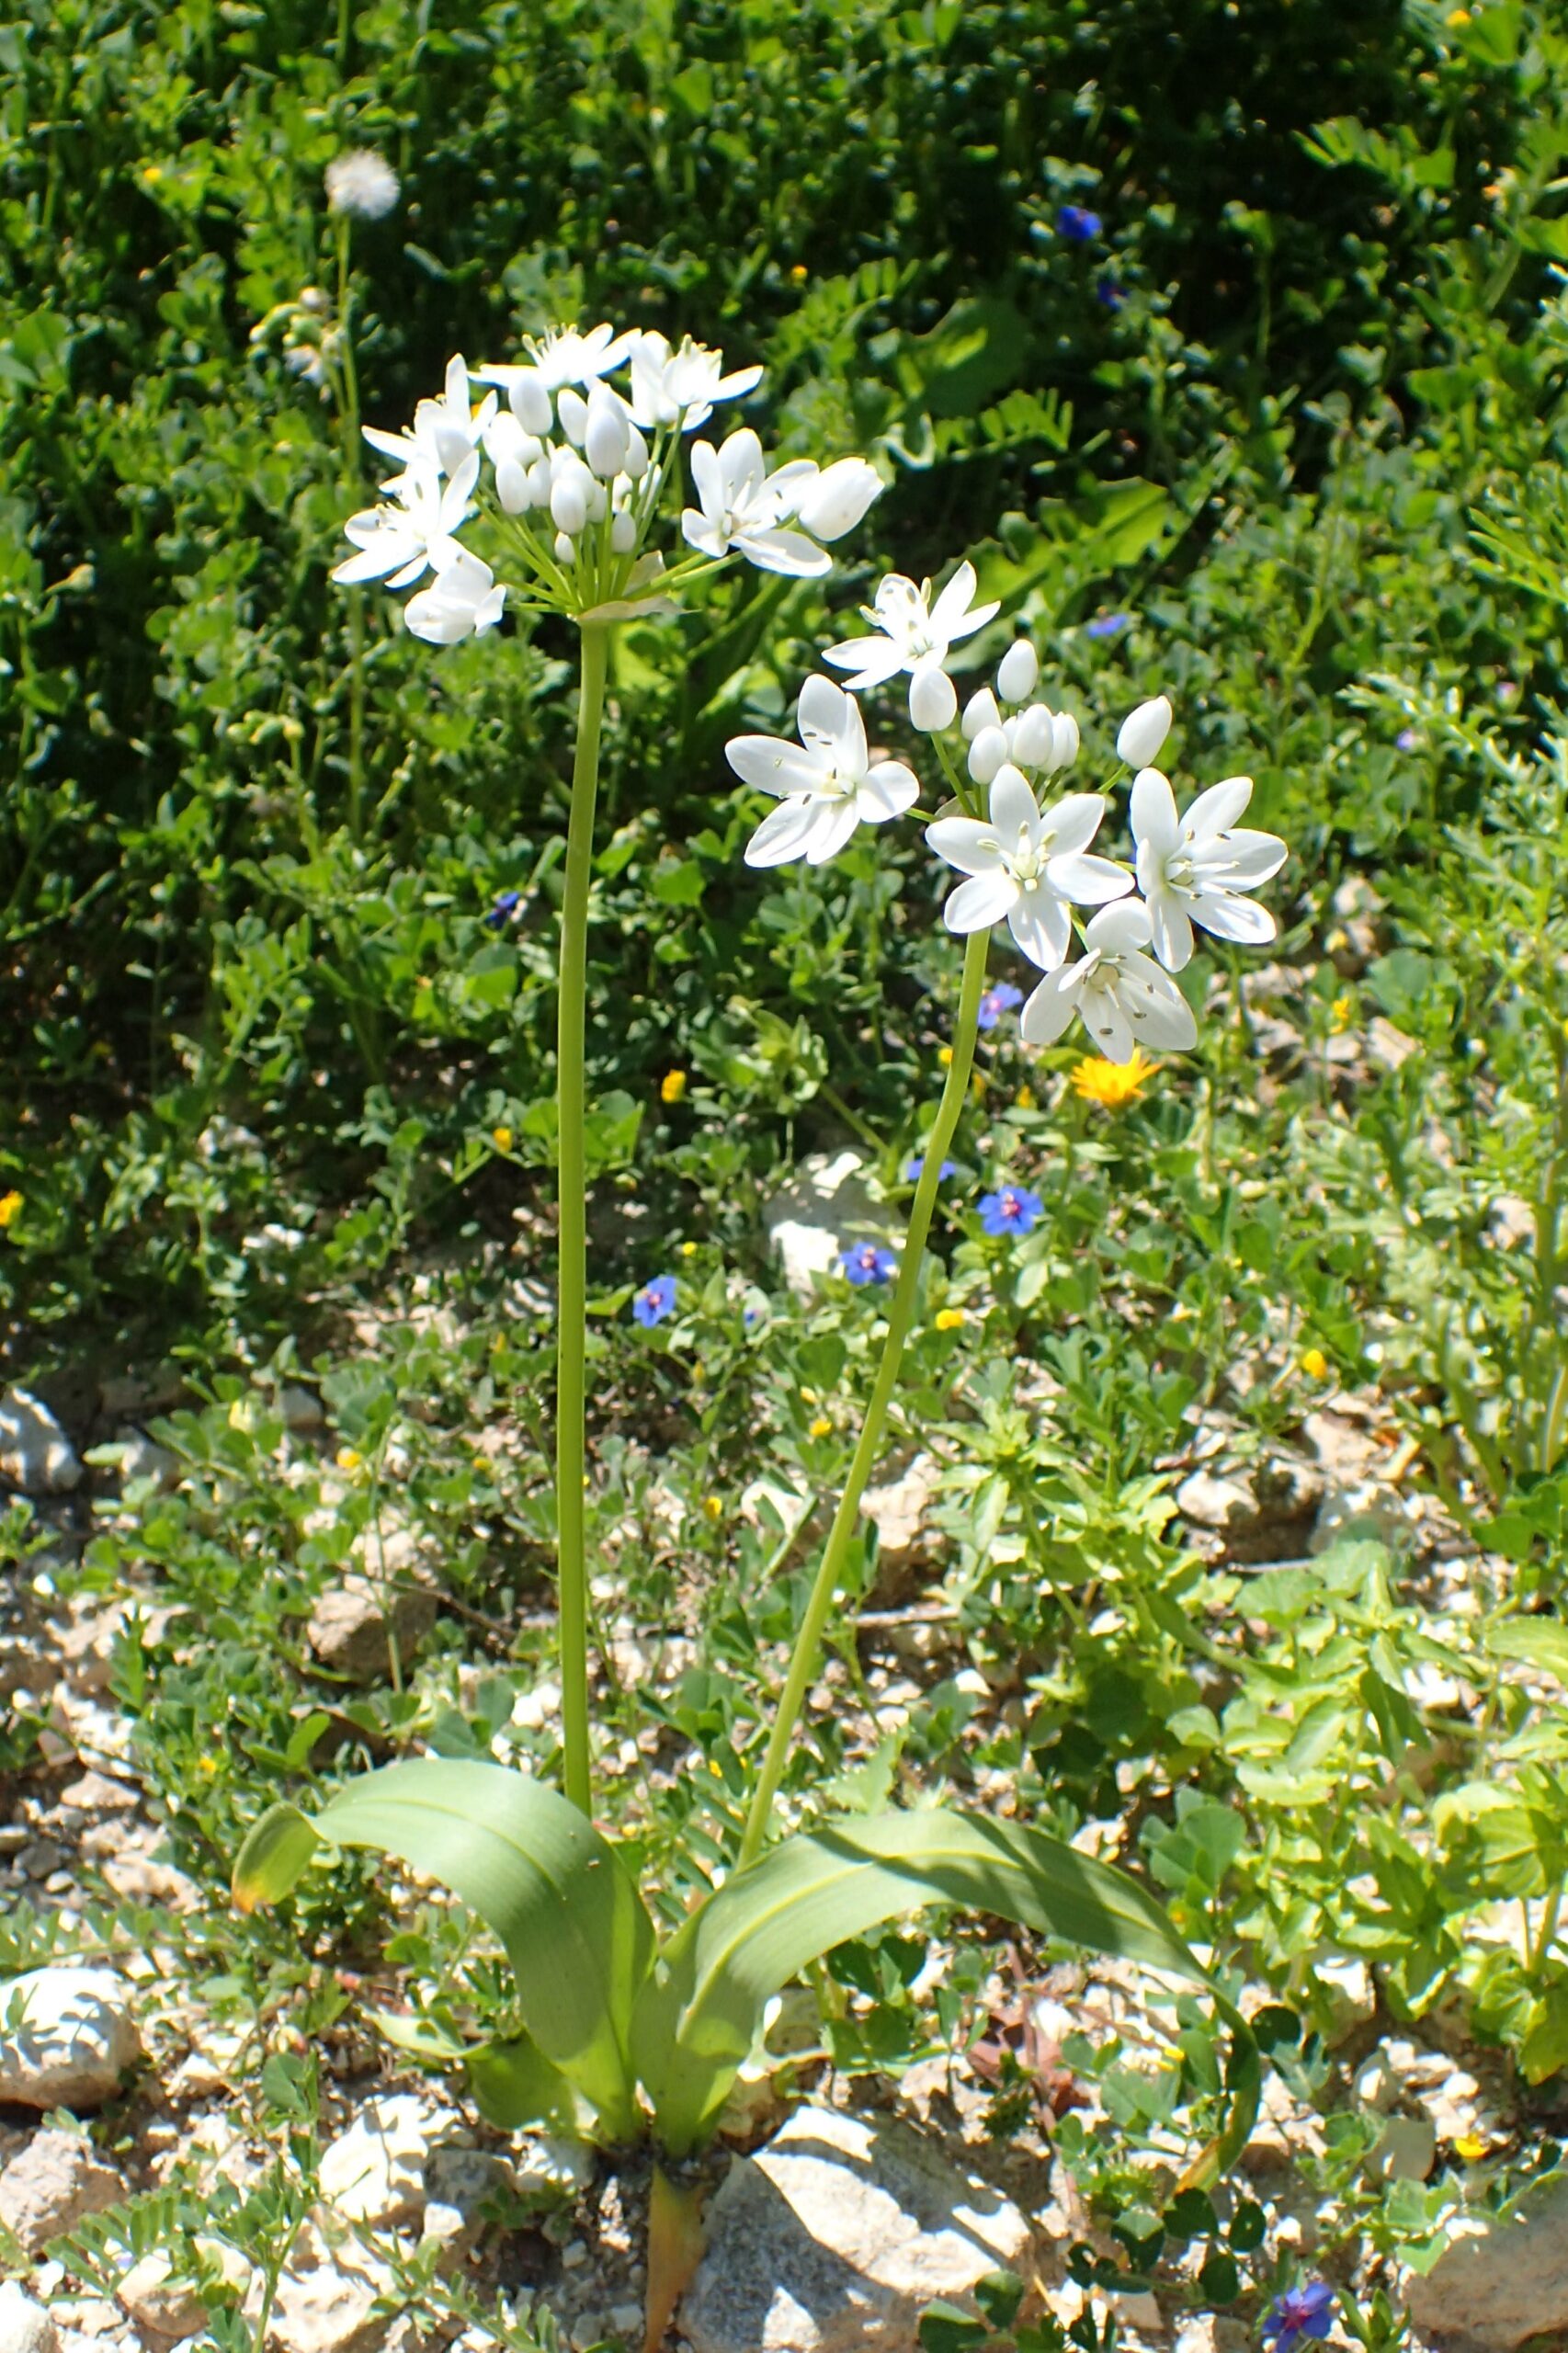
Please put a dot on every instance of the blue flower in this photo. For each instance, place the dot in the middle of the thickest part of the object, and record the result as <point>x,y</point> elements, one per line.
<point>1110,293</point>
<point>867,1262</point>
<point>654,1300</point>
<point>506,905</point>
<point>752,1317</point>
<point>1298,2313</point>
<point>996,1002</point>
<point>1013,1210</point>
<point>1107,625</point>
<point>1078,225</point>
<point>912,1168</point>
<point>1408,739</point>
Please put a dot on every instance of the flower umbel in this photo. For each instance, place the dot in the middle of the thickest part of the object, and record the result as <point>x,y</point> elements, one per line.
<point>654,1300</point>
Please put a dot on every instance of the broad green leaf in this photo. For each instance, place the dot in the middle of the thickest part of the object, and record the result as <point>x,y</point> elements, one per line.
<point>698,2014</point>
<point>1537,1641</point>
<point>275,1851</point>
<point>515,2086</point>
<point>556,1895</point>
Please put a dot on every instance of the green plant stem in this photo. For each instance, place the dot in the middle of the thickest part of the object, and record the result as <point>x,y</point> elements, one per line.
<point>571,1160</point>
<point>901,1314</point>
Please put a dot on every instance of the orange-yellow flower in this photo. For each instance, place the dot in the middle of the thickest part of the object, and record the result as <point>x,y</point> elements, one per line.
<point>502,1138</point>
<point>10,1209</point>
<point>949,1318</point>
<point>672,1086</point>
<point>1112,1083</point>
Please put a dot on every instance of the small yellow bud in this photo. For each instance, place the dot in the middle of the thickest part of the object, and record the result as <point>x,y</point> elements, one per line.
<point>502,1138</point>
<point>808,1396</point>
<point>1458,16</point>
<point>10,1209</point>
<point>822,1427</point>
<point>714,1507</point>
<point>1471,2147</point>
<point>672,1086</point>
<point>1342,1013</point>
<point>799,274</point>
<point>1024,1098</point>
<point>349,1457</point>
<point>945,1056</point>
<point>1314,1364</point>
<point>688,1249</point>
<point>242,1413</point>
<point>949,1318</point>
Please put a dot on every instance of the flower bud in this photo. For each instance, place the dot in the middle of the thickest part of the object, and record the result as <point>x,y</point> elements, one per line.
<point>540,479</point>
<point>986,753</point>
<point>569,503</point>
<point>565,547</point>
<point>1018,673</point>
<point>980,712</point>
<point>512,486</point>
<point>1065,739</point>
<point>1031,736</point>
<point>531,402</point>
<point>933,699</point>
<point>1143,732</point>
<point>605,435</point>
<point>838,497</point>
<point>623,532</point>
<point>635,462</point>
<point>573,409</point>
<point>506,440</point>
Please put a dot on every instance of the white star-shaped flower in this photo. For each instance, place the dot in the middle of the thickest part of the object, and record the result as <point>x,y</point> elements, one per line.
<point>917,636</point>
<point>413,530</point>
<point>1027,865</point>
<point>680,387</point>
<point>461,601</point>
<point>445,431</point>
<point>1123,997</point>
<point>827,783</point>
<point>746,507</point>
<point>1192,868</point>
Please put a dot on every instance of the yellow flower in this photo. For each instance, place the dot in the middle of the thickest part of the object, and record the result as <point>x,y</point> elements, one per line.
<point>1024,1098</point>
<point>502,1138</point>
<point>1314,1364</point>
<point>10,1209</point>
<point>688,1249</point>
<point>822,1427</point>
<point>151,173</point>
<point>808,1396</point>
<point>949,1318</point>
<point>1112,1083</point>
<point>1458,16</point>
<point>945,1055</point>
<point>1471,2147</point>
<point>242,1413</point>
<point>672,1086</point>
<point>714,1507</point>
<point>349,1457</point>
<point>799,273</point>
<point>1342,1013</point>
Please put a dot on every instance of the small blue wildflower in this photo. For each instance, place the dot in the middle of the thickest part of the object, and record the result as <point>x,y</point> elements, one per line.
<point>1110,293</point>
<point>751,1317</point>
<point>654,1300</point>
<point>867,1262</point>
<point>1298,2313</point>
<point>996,1002</point>
<point>1013,1210</point>
<point>506,905</point>
<point>1078,225</point>
<point>1408,739</point>
<point>913,1168</point>
<point>1107,625</point>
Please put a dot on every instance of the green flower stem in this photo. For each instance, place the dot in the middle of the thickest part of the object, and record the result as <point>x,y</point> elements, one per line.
<point>571,1100</point>
<point>901,1314</point>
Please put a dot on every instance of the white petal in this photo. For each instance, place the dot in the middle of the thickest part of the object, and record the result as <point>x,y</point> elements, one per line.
<point>986,754</point>
<point>707,478</point>
<point>1049,1009</point>
<point>834,822</point>
<point>789,552</point>
<point>699,533</point>
<point>1106,1022</point>
<point>1033,736</point>
<point>1152,812</point>
<point>984,900</point>
<point>1041,927</point>
<point>886,791</point>
<point>1241,860</point>
<point>851,753</point>
<point>774,766</point>
<point>875,660</point>
<point>1217,808</point>
<point>1087,881</point>
<point>955,600</point>
<point>1015,813</point>
<point>1116,929</point>
<point>839,497</point>
<point>782,834</point>
<point>965,843</point>
<point>1155,1008</point>
<point>980,712</point>
<point>1064,740</point>
<point>1171,931</point>
<point>1231,918</point>
<point>1071,825</point>
<point>1143,733</point>
<point>820,712</point>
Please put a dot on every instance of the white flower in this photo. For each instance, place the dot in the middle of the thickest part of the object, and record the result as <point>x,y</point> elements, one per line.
<point>1036,739</point>
<point>515,454</point>
<point>680,387</point>
<point>827,785</point>
<point>361,184</point>
<point>400,538</point>
<point>462,601</point>
<point>1143,733</point>
<point>444,430</point>
<point>1190,869</point>
<point>833,501</point>
<point>916,635</point>
<point>1027,866</point>
<point>1018,672</point>
<point>745,507</point>
<point>1124,998</point>
<point>562,356</point>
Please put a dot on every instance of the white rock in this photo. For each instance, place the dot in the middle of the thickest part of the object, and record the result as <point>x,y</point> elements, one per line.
<point>548,2166</point>
<point>375,2171</point>
<point>25,2326</point>
<point>328,2304</point>
<point>898,1511</point>
<point>836,2237</point>
<point>1497,2284</point>
<point>350,1629</point>
<point>171,2309</point>
<point>66,2037</point>
<point>823,1207</point>
<point>55,2180</point>
<point>35,1453</point>
<point>1407,2152</point>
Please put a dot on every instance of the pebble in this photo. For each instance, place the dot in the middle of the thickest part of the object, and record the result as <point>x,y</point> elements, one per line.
<point>35,1453</point>
<point>375,2172</point>
<point>66,2037</point>
<point>55,2180</point>
<point>25,2326</point>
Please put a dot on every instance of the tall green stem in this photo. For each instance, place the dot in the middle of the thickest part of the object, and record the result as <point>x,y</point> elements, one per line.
<point>571,1161</point>
<point>901,1314</point>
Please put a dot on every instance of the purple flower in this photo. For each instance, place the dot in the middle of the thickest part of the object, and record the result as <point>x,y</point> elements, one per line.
<point>912,1169</point>
<point>867,1262</point>
<point>1408,739</point>
<point>1107,625</point>
<point>1078,225</point>
<point>506,905</point>
<point>654,1300</point>
<point>1013,1210</point>
<point>1298,2313</point>
<point>996,1002</point>
<point>1110,293</point>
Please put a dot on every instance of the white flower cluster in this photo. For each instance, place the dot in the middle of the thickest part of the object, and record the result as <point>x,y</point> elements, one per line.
<point>1026,863</point>
<point>570,473</point>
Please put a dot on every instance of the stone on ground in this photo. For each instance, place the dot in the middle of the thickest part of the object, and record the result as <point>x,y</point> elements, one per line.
<point>352,1623</point>
<point>66,2037</point>
<point>55,2180</point>
<point>327,2303</point>
<point>164,2307</point>
<point>25,2326</point>
<point>836,2237</point>
<point>1497,2284</point>
<point>818,1212</point>
<point>375,2172</point>
<point>35,1453</point>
